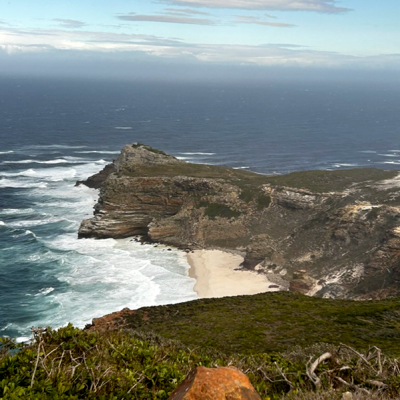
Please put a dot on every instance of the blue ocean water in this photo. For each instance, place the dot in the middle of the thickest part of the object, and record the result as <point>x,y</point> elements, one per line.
<point>53,133</point>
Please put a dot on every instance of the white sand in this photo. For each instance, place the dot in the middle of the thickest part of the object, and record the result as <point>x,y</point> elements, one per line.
<point>216,275</point>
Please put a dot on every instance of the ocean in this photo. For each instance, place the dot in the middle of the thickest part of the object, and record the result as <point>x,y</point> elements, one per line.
<point>55,132</point>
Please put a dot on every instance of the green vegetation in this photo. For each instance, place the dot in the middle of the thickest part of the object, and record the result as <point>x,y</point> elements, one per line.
<point>149,148</point>
<point>250,183</point>
<point>274,321</point>
<point>263,201</point>
<point>115,365</point>
<point>317,181</point>
<point>213,210</point>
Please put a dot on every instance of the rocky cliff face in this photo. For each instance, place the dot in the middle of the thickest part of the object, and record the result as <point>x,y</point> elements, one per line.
<point>327,233</point>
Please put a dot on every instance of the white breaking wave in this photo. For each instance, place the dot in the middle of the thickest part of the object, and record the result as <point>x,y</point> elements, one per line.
<point>95,277</point>
<point>8,183</point>
<point>199,153</point>
<point>392,162</point>
<point>368,151</point>
<point>56,161</point>
<point>13,211</point>
<point>338,165</point>
<point>6,152</point>
<point>66,160</point>
<point>184,158</point>
<point>45,291</point>
<point>54,146</point>
<point>241,167</point>
<point>37,222</point>
<point>123,127</point>
<point>97,151</point>
<point>52,174</point>
<point>388,155</point>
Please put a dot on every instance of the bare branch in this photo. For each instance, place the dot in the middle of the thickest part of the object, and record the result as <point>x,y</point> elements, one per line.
<point>284,377</point>
<point>311,371</point>
<point>362,358</point>
<point>351,385</point>
<point>380,385</point>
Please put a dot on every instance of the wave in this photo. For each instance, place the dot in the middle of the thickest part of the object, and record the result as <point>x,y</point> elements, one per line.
<point>52,174</point>
<point>388,155</point>
<point>37,222</point>
<point>54,146</point>
<point>8,183</point>
<point>367,151</point>
<point>6,152</point>
<point>395,151</point>
<point>2,223</point>
<point>45,291</point>
<point>339,165</point>
<point>392,162</point>
<point>56,161</point>
<point>28,232</point>
<point>15,211</point>
<point>127,128</point>
<point>241,167</point>
<point>65,160</point>
<point>97,151</point>
<point>184,158</point>
<point>199,153</point>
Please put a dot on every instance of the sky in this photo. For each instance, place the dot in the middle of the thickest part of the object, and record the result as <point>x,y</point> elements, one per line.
<point>185,39</point>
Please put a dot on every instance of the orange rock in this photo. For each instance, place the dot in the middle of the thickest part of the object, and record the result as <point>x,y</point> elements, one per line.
<point>223,383</point>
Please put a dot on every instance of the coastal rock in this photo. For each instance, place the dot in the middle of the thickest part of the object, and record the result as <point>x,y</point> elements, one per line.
<point>339,226</point>
<point>95,181</point>
<point>215,384</point>
<point>139,154</point>
<point>301,282</point>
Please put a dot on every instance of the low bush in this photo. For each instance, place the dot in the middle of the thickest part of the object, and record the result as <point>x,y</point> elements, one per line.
<point>76,364</point>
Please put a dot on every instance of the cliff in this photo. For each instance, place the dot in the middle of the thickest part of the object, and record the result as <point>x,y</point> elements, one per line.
<point>323,233</point>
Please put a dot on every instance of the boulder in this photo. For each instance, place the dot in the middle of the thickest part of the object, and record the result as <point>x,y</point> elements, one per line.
<point>223,383</point>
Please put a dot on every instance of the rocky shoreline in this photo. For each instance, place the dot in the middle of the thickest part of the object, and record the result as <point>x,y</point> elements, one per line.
<point>325,233</point>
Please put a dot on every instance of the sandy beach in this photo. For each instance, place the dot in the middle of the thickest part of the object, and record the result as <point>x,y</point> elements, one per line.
<point>217,276</point>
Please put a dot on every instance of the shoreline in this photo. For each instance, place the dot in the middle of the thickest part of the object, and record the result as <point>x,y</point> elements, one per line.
<point>218,274</point>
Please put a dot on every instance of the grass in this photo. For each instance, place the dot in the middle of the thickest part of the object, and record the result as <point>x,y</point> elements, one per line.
<point>250,183</point>
<point>318,181</point>
<point>271,322</point>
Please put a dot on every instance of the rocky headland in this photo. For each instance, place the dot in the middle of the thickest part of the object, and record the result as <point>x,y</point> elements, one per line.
<point>324,233</point>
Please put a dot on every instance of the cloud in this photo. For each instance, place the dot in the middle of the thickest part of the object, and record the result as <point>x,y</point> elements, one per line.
<point>246,19</point>
<point>174,17</point>
<point>321,6</point>
<point>69,23</point>
<point>185,11</point>
<point>131,47</point>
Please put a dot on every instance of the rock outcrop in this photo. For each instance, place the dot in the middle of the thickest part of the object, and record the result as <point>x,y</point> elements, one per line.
<point>341,228</point>
<point>215,384</point>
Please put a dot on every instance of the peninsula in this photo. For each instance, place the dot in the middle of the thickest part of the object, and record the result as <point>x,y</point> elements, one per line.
<point>332,234</point>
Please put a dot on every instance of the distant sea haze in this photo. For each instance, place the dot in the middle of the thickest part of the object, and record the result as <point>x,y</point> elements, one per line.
<point>53,133</point>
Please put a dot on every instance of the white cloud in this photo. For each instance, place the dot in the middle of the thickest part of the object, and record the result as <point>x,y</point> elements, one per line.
<point>133,45</point>
<point>169,17</point>
<point>246,19</point>
<point>322,6</point>
<point>69,23</point>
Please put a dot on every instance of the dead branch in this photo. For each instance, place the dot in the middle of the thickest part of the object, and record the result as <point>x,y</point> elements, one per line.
<point>311,371</point>
<point>36,363</point>
<point>380,385</point>
<point>351,385</point>
<point>283,375</point>
<point>375,353</point>
<point>362,358</point>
